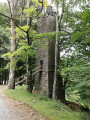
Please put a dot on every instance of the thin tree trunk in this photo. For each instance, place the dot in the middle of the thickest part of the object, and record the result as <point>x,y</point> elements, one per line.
<point>11,82</point>
<point>29,86</point>
<point>56,59</point>
<point>58,87</point>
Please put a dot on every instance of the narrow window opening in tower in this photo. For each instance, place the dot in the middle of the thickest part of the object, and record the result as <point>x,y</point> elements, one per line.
<point>41,63</point>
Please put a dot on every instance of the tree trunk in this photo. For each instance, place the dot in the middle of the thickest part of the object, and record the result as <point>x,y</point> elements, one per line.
<point>11,82</point>
<point>56,58</point>
<point>58,87</point>
<point>29,86</point>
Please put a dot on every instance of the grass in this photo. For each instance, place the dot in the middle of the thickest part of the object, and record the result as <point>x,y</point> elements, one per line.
<point>54,110</point>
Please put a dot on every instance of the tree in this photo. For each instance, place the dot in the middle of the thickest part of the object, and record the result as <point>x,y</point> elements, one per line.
<point>4,44</point>
<point>26,32</point>
<point>58,92</point>
<point>13,10</point>
<point>75,61</point>
<point>29,86</point>
<point>56,56</point>
<point>64,39</point>
<point>31,13</point>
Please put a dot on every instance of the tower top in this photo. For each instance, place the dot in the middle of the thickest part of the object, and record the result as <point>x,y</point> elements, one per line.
<point>49,11</point>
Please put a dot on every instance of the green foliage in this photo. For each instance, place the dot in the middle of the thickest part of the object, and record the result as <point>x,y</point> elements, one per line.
<point>3,20</point>
<point>82,28</point>
<point>74,64</point>
<point>1,69</point>
<point>38,4</point>
<point>30,12</point>
<point>24,50</point>
<point>77,71</point>
<point>81,83</point>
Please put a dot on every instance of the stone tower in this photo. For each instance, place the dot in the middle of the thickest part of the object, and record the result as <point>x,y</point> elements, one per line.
<point>45,55</point>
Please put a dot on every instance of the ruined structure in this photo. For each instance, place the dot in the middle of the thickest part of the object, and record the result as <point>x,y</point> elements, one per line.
<point>45,55</point>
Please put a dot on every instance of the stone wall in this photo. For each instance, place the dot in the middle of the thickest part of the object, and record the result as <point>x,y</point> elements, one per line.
<point>45,54</point>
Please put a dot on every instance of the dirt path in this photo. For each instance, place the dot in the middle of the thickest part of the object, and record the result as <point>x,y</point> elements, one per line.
<point>4,112</point>
<point>13,110</point>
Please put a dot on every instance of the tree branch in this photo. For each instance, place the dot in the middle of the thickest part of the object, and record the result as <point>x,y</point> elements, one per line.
<point>9,6</point>
<point>61,15</point>
<point>14,19</point>
<point>5,48</point>
<point>29,25</point>
<point>15,22</point>
<point>41,7</point>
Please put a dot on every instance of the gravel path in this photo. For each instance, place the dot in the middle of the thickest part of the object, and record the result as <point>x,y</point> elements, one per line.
<point>4,112</point>
<point>12,110</point>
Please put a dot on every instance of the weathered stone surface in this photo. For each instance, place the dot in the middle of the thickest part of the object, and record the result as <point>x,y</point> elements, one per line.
<point>45,53</point>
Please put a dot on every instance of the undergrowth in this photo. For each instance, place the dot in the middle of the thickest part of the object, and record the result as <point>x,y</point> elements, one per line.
<point>52,109</point>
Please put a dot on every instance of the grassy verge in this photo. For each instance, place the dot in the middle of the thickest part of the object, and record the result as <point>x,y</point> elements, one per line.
<point>54,110</point>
